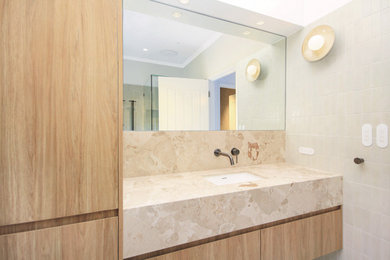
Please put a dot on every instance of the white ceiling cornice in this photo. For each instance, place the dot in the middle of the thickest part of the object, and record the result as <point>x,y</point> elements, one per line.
<point>202,48</point>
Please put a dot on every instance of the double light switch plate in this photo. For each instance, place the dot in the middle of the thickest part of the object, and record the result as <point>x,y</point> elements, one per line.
<point>382,136</point>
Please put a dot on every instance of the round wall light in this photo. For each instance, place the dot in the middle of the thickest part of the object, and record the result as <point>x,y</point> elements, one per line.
<point>252,71</point>
<point>318,43</point>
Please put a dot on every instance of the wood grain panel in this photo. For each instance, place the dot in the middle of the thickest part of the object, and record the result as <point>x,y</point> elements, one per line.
<point>58,108</point>
<point>246,246</point>
<point>96,239</point>
<point>303,239</point>
<point>29,226</point>
<point>120,127</point>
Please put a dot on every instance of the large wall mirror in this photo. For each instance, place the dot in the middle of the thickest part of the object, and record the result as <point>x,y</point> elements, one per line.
<point>188,71</point>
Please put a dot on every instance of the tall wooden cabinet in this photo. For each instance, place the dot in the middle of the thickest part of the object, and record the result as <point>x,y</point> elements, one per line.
<point>60,102</point>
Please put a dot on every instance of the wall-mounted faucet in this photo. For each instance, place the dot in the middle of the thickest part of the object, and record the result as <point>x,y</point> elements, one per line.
<point>218,152</point>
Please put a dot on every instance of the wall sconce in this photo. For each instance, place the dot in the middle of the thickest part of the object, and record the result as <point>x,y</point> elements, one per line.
<point>252,70</point>
<point>318,43</point>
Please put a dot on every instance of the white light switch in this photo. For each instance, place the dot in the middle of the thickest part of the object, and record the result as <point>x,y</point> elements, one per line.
<point>306,150</point>
<point>367,135</point>
<point>382,135</point>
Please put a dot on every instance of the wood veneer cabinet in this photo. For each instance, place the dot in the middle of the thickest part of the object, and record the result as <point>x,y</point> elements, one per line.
<point>88,240</point>
<point>59,108</point>
<point>303,239</point>
<point>60,128</point>
<point>241,247</point>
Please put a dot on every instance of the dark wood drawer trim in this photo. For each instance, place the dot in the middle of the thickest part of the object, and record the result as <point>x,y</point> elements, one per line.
<point>35,225</point>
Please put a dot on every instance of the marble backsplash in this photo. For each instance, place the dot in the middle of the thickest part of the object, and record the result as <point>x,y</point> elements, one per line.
<point>153,153</point>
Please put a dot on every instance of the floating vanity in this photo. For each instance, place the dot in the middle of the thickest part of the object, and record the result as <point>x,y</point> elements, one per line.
<point>269,212</point>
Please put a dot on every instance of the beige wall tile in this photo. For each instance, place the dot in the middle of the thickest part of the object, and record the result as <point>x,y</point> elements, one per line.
<point>327,103</point>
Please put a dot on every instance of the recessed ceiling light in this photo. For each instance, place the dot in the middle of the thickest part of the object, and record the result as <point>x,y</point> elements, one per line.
<point>145,49</point>
<point>260,23</point>
<point>246,33</point>
<point>169,53</point>
<point>184,2</point>
<point>176,14</point>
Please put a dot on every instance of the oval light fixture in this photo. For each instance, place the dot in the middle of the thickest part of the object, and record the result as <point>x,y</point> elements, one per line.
<point>318,43</point>
<point>252,70</point>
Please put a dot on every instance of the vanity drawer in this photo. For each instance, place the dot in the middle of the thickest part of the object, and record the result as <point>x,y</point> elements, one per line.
<point>241,247</point>
<point>306,238</point>
<point>96,239</point>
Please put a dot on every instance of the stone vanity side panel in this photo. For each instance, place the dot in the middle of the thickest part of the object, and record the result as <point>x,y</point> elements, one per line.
<point>170,224</point>
<point>153,153</point>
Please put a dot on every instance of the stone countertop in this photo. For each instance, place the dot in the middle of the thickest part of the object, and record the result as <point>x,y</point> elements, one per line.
<point>162,211</point>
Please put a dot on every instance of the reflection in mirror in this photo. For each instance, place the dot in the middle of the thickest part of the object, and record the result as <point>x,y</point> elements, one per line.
<point>187,71</point>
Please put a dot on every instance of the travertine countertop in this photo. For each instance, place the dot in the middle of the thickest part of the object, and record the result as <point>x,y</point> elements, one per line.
<point>166,210</point>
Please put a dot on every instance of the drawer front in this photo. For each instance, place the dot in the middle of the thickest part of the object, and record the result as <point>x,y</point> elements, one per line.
<point>241,247</point>
<point>306,238</point>
<point>96,239</point>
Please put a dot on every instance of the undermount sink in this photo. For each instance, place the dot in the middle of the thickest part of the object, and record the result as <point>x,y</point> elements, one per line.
<point>232,178</point>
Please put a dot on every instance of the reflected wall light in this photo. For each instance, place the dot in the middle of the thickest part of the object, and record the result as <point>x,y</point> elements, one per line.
<point>252,70</point>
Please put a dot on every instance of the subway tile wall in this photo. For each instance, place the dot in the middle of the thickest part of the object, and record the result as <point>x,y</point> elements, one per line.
<point>328,102</point>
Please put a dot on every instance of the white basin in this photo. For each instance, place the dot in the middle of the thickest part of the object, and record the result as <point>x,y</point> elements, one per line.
<point>232,178</point>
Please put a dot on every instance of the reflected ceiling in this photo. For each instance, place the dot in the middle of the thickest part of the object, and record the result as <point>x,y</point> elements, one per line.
<point>163,41</point>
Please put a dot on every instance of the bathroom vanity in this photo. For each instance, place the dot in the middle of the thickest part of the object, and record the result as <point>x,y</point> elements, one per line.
<point>284,210</point>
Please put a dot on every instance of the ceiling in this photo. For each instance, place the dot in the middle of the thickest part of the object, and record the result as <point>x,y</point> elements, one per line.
<point>301,12</point>
<point>240,11</point>
<point>152,34</point>
<point>284,17</point>
<point>161,41</point>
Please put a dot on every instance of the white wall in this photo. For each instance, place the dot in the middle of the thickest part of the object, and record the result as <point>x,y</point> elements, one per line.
<point>222,56</point>
<point>138,73</point>
<point>327,103</point>
<point>261,104</point>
